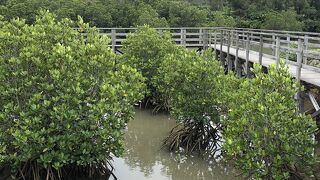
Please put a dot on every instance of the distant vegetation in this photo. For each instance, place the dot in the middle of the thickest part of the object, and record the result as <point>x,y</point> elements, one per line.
<point>269,14</point>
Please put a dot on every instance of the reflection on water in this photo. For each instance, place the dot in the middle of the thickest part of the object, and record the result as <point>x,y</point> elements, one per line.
<point>144,158</point>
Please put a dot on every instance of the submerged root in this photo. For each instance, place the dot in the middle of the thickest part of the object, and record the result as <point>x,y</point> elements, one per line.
<point>194,137</point>
<point>157,104</point>
<point>33,171</point>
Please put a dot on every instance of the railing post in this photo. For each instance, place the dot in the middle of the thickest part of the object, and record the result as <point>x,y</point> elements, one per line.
<point>113,39</point>
<point>232,34</point>
<point>236,61</point>
<point>247,54</point>
<point>288,41</point>
<point>243,39</point>
<point>261,49</point>
<point>299,60</point>
<point>205,38</point>
<point>160,32</point>
<point>222,58</point>
<point>183,37</point>
<point>273,45</point>
<point>228,53</point>
<point>306,44</point>
<point>278,51</point>
<point>215,40</point>
<point>298,75</point>
<point>215,44</point>
<point>209,33</point>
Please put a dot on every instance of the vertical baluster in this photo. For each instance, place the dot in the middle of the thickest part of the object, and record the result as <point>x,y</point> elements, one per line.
<point>278,51</point>
<point>183,37</point>
<point>306,44</point>
<point>247,54</point>
<point>228,52</point>
<point>215,44</point>
<point>299,60</point>
<point>288,45</point>
<point>221,44</point>
<point>261,49</point>
<point>298,75</point>
<point>273,44</point>
<point>113,39</point>
<point>236,61</point>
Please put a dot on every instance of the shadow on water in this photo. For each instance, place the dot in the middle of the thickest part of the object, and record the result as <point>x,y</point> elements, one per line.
<point>144,158</point>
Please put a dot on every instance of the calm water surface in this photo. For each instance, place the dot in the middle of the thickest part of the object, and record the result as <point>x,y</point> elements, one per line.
<point>144,159</point>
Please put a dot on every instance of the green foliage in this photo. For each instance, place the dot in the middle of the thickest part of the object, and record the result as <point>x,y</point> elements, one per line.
<point>148,16</point>
<point>64,100</point>
<point>183,14</point>
<point>272,14</point>
<point>284,20</point>
<point>193,84</point>
<point>314,62</point>
<point>145,50</point>
<point>264,134</point>
<point>222,19</point>
<point>291,56</point>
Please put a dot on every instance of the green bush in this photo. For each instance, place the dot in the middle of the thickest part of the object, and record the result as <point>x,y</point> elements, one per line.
<point>264,133</point>
<point>64,100</point>
<point>291,56</point>
<point>192,83</point>
<point>145,50</point>
<point>314,62</point>
<point>284,20</point>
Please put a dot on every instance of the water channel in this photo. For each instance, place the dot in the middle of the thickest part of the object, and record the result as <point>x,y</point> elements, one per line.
<point>144,159</point>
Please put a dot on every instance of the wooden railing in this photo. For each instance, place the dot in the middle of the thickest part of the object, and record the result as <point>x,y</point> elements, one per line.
<point>301,49</point>
<point>189,37</point>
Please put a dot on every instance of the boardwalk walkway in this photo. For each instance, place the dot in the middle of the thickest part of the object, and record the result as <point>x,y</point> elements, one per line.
<point>307,75</point>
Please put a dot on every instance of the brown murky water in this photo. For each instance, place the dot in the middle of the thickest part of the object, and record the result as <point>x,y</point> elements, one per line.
<point>144,159</point>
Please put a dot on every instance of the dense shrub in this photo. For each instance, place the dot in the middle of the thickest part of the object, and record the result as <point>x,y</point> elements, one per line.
<point>284,20</point>
<point>264,134</point>
<point>63,99</point>
<point>145,50</point>
<point>192,83</point>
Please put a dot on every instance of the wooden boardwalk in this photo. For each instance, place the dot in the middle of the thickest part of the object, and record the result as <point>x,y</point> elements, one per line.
<point>307,75</point>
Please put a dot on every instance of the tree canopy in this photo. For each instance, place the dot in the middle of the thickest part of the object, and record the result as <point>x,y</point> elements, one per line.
<point>269,14</point>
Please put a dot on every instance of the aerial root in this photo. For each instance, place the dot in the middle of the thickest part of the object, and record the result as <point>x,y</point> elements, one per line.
<point>194,137</point>
<point>32,170</point>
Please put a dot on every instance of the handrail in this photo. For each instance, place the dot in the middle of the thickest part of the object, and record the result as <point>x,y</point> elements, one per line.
<point>272,43</point>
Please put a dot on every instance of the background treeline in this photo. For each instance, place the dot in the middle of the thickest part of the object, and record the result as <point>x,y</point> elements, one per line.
<point>268,14</point>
